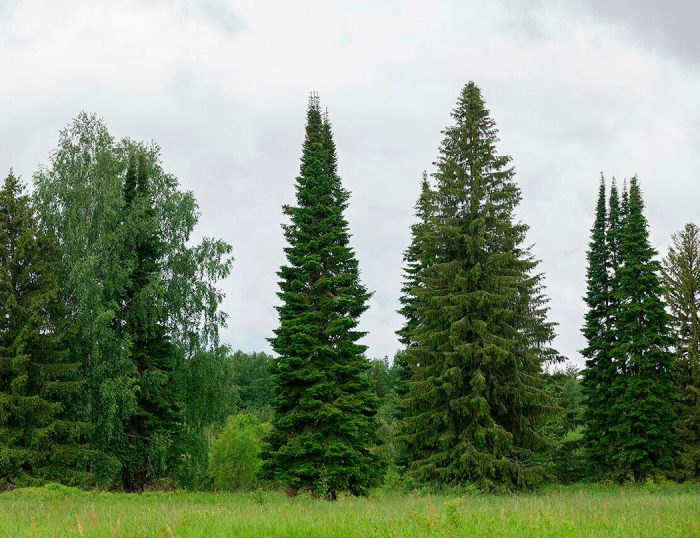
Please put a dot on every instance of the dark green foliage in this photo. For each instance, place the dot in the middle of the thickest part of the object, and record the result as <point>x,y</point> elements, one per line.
<point>645,393</point>
<point>600,371</point>
<point>413,263</point>
<point>681,276</point>
<point>207,382</point>
<point>381,377</point>
<point>476,393</point>
<point>253,379</point>
<point>43,434</point>
<point>156,421</point>
<point>628,377</point>
<point>324,412</point>
<point>564,426</point>
<point>386,380</point>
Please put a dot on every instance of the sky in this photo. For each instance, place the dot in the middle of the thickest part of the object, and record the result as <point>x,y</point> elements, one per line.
<point>576,88</point>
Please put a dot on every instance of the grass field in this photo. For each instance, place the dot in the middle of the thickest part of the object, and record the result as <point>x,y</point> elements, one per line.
<point>656,510</point>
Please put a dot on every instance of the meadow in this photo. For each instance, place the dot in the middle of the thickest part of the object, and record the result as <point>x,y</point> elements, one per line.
<point>634,511</point>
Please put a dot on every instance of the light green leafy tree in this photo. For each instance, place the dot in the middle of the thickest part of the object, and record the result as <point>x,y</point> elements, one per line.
<point>80,199</point>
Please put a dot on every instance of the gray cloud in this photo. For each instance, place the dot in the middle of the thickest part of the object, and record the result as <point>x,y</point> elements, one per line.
<point>668,28</point>
<point>571,96</point>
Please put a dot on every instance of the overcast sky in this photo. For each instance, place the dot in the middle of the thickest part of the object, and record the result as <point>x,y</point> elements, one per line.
<point>575,87</point>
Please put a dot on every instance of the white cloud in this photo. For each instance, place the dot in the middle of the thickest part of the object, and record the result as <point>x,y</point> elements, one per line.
<point>222,87</point>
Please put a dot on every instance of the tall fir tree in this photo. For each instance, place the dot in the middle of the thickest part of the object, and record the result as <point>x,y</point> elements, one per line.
<point>324,412</point>
<point>155,422</point>
<point>413,263</point>
<point>599,371</point>
<point>43,434</point>
<point>476,393</point>
<point>612,385</point>
<point>412,266</point>
<point>644,387</point>
<point>681,276</point>
<point>600,386</point>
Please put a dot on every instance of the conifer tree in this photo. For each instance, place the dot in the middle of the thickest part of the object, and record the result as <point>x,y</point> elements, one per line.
<point>43,436</point>
<point>156,420</point>
<point>324,410</point>
<point>476,393</point>
<point>625,200</point>
<point>644,387</point>
<point>600,377</point>
<point>613,233</point>
<point>612,384</point>
<point>681,276</point>
<point>597,380</point>
<point>413,264</point>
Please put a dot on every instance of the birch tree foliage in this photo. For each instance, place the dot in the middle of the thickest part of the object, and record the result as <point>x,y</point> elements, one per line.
<point>191,271</point>
<point>79,198</point>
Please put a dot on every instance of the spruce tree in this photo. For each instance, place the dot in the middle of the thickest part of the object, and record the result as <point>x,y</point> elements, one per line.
<point>597,381</point>
<point>644,387</point>
<point>42,435</point>
<point>612,384</point>
<point>324,411</point>
<point>476,393</point>
<point>600,377</point>
<point>413,264</point>
<point>151,428</point>
<point>681,277</point>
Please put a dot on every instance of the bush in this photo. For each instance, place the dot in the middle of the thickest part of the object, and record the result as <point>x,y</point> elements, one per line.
<point>234,458</point>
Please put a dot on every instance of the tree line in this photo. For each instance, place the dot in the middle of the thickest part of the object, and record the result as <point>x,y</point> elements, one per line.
<point>113,375</point>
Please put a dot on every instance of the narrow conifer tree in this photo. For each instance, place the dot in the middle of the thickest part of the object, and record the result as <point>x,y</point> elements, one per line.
<point>644,387</point>
<point>42,435</point>
<point>323,423</point>
<point>681,276</point>
<point>156,420</point>
<point>597,381</point>
<point>413,264</point>
<point>475,393</point>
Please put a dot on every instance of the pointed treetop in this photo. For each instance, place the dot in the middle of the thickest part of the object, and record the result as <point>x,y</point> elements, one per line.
<point>10,176</point>
<point>614,197</point>
<point>13,192</point>
<point>314,101</point>
<point>635,193</point>
<point>601,188</point>
<point>601,210</point>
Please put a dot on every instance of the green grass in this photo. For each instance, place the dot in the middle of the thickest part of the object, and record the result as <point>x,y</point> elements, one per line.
<point>630,512</point>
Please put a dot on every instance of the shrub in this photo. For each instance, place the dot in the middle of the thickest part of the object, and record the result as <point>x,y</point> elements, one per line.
<point>234,459</point>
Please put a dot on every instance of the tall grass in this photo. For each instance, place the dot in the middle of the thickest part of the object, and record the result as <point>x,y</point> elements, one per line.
<point>655,510</point>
